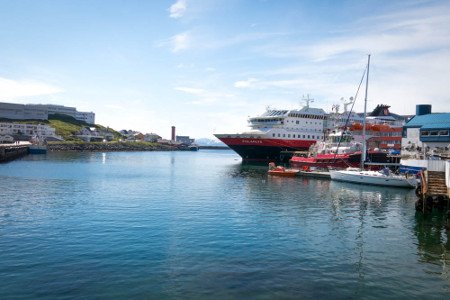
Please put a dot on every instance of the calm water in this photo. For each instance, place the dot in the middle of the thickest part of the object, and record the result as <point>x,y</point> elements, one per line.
<point>201,225</point>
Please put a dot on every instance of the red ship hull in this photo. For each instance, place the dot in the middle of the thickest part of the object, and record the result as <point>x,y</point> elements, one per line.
<point>265,149</point>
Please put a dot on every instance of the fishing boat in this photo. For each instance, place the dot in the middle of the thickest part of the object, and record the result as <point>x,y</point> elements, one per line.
<point>37,149</point>
<point>340,150</point>
<point>359,175</point>
<point>281,171</point>
<point>37,146</point>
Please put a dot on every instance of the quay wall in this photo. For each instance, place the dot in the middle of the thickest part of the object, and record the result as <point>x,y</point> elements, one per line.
<point>8,153</point>
<point>119,146</point>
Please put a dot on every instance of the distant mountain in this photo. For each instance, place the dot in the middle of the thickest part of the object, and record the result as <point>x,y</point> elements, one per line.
<point>209,142</point>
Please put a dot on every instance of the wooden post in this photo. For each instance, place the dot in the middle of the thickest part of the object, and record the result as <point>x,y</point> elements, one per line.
<point>448,209</point>
<point>424,191</point>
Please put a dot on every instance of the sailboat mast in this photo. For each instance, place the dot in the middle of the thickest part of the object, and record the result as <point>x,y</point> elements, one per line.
<point>364,149</point>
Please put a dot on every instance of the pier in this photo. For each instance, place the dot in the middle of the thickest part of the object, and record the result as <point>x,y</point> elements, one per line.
<point>10,152</point>
<point>434,192</point>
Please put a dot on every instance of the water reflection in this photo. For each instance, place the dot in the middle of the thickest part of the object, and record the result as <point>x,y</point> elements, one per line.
<point>433,239</point>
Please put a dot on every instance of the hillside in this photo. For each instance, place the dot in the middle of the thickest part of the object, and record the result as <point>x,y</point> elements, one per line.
<point>65,125</point>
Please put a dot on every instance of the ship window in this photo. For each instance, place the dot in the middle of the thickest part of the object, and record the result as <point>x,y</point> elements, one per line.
<point>284,135</point>
<point>308,136</point>
<point>303,136</point>
<point>443,132</point>
<point>293,136</point>
<point>273,134</point>
<point>434,132</point>
<point>278,135</point>
<point>296,122</point>
<point>289,135</point>
<point>424,133</point>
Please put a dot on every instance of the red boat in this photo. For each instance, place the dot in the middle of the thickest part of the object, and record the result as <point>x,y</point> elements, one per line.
<point>282,171</point>
<point>340,151</point>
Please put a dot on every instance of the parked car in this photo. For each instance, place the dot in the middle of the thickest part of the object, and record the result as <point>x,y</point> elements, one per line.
<point>6,139</point>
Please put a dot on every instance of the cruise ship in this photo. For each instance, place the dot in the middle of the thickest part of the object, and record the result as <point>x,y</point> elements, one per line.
<point>276,134</point>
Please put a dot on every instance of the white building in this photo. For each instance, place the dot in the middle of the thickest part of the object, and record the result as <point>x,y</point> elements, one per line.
<point>88,117</point>
<point>29,130</point>
<point>14,111</point>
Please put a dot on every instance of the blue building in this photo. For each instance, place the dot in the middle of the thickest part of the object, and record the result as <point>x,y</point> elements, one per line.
<point>427,132</point>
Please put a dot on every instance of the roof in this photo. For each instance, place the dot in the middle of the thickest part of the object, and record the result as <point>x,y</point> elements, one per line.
<point>310,110</point>
<point>439,120</point>
<point>434,126</point>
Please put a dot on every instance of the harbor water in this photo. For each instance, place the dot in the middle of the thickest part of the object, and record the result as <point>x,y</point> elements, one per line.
<point>193,225</point>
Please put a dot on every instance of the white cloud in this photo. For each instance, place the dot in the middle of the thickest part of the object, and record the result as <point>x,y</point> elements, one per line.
<point>205,97</point>
<point>180,42</point>
<point>188,90</point>
<point>178,9</point>
<point>246,83</point>
<point>13,89</point>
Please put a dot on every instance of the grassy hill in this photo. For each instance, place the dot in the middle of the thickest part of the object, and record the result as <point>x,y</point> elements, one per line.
<point>65,125</point>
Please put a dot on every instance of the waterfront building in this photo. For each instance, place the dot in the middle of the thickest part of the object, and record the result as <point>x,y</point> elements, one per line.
<point>184,139</point>
<point>27,131</point>
<point>91,134</point>
<point>426,133</point>
<point>15,111</point>
<point>151,137</point>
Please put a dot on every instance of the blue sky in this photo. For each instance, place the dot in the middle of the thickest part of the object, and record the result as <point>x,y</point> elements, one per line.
<point>204,66</point>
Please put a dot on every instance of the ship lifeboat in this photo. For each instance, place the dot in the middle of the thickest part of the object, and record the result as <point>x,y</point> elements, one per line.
<point>385,128</point>
<point>375,127</point>
<point>356,126</point>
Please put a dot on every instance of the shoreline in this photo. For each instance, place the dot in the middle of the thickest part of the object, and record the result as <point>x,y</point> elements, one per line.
<point>119,146</point>
<point>109,147</point>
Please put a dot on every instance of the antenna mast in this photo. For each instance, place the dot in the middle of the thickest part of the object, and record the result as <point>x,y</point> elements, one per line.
<point>307,100</point>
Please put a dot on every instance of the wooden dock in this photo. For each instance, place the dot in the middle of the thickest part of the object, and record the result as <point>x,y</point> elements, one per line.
<point>10,152</point>
<point>433,193</point>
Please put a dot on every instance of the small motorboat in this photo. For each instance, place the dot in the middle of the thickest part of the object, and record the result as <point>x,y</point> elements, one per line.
<point>281,171</point>
<point>314,172</point>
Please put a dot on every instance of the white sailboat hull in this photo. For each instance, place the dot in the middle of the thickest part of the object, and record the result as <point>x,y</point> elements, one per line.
<point>373,178</point>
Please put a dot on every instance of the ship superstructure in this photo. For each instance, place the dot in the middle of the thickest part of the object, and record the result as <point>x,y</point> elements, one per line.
<point>275,133</point>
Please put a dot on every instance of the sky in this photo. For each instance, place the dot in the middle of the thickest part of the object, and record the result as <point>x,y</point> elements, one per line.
<point>205,66</point>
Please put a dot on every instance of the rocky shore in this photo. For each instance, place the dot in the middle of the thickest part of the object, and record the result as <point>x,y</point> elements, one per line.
<point>112,146</point>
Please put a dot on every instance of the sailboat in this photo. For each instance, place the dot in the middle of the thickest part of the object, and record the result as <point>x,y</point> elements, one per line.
<point>359,175</point>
